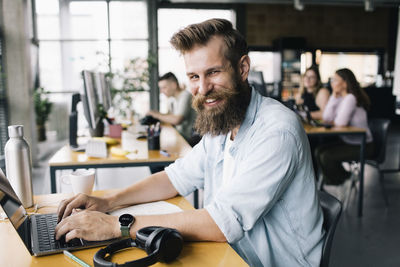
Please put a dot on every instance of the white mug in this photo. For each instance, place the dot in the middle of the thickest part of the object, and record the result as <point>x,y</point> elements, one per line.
<point>82,181</point>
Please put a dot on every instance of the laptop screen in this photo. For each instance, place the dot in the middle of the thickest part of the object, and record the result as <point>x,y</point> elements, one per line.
<point>12,206</point>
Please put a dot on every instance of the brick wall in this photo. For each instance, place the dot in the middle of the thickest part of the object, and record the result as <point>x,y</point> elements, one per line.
<point>322,26</point>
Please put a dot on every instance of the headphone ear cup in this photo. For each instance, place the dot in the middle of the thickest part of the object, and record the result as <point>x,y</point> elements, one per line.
<point>153,241</point>
<point>171,245</point>
<point>143,234</point>
<point>167,243</point>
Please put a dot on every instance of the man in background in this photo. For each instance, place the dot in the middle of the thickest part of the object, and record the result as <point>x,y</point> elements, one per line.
<point>180,112</point>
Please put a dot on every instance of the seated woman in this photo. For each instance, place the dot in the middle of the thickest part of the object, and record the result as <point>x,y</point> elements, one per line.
<point>346,107</point>
<point>312,94</point>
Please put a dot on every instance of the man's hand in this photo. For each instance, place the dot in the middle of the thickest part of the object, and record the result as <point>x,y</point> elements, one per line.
<point>81,201</point>
<point>88,225</point>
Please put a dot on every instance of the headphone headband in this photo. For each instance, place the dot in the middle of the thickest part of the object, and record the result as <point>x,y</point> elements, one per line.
<point>161,244</point>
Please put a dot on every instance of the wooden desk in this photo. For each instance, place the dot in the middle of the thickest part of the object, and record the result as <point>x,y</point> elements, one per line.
<point>14,253</point>
<point>335,131</point>
<point>170,141</point>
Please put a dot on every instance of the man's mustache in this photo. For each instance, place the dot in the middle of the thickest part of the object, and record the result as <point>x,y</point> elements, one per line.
<point>199,100</point>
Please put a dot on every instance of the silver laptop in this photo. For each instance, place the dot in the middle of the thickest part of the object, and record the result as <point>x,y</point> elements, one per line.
<point>37,231</point>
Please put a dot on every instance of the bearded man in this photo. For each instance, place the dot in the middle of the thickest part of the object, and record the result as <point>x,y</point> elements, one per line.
<point>253,163</point>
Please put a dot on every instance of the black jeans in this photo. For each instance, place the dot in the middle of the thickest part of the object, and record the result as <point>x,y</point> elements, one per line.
<point>330,156</point>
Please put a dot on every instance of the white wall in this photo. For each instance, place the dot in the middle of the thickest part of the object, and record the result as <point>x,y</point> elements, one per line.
<point>16,23</point>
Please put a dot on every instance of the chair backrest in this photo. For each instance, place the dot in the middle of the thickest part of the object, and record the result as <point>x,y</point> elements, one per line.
<point>332,208</point>
<point>256,79</point>
<point>379,130</point>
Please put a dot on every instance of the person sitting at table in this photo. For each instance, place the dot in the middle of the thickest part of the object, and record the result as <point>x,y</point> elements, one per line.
<point>253,163</point>
<point>346,107</point>
<point>180,112</point>
<point>312,94</point>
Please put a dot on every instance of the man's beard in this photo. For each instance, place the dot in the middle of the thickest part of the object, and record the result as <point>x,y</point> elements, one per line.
<point>225,116</point>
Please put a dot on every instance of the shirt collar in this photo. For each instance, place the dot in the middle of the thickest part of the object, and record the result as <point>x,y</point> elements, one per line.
<point>248,120</point>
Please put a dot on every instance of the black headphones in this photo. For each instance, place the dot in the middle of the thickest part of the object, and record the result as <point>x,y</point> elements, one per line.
<point>161,244</point>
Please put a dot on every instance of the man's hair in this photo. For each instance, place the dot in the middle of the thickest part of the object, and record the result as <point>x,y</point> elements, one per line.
<point>201,33</point>
<point>169,76</point>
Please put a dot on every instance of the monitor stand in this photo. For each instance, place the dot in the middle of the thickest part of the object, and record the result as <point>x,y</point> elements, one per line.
<point>73,124</point>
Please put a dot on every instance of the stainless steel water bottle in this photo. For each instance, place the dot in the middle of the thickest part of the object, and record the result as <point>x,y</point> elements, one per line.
<point>18,164</point>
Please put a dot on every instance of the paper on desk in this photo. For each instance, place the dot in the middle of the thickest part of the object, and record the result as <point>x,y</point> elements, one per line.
<point>138,129</point>
<point>158,207</point>
<point>130,143</point>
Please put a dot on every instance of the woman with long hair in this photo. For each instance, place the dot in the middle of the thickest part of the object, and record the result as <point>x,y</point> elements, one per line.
<point>347,106</point>
<point>312,94</point>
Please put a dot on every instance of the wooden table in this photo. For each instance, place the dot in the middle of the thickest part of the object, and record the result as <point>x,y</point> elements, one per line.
<point>348,130</point>
<point>14,253</point>
<point>170,141</point>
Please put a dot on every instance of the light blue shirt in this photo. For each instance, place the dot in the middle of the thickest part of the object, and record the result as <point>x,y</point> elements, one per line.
<point>269,211</point>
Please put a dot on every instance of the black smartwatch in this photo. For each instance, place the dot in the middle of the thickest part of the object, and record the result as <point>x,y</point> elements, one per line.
<point>125,222</point>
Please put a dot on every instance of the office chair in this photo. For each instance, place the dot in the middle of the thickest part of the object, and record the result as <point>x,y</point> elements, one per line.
<point>256,79</point>
<point>379,130</point>
<point>331,208</point>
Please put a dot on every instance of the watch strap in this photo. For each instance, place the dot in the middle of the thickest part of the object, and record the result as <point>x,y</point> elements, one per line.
<point>125,230</point>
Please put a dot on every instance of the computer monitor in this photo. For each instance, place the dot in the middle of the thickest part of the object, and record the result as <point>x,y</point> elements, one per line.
<point>103,89</point>
<point>90,99</point>
<point>256,80</point>
<point>96,90</point>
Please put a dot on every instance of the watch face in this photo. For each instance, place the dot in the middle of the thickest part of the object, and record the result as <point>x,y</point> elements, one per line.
<point>126,219</point>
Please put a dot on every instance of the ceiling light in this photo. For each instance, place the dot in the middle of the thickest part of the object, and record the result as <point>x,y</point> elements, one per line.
<point>368,5</point>
<point>298,5</point>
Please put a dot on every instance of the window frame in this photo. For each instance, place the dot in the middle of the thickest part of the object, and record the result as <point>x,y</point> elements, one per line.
<point>3,106</point>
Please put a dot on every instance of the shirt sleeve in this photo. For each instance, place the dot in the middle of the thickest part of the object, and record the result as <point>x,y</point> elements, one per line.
<point>330,109</point>
<point>261,178</point>
<point>346,110</point>
<point>183,104</point>
<point>187,174</point>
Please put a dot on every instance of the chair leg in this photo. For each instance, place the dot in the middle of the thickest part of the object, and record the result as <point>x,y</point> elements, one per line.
<point>350,191</point>
<point>319,180</point>
<point>320,183</point>
<point>382,184</point>
<point>355,170</point>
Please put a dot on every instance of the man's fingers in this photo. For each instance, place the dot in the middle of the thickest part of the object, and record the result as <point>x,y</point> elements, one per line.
<point>89,225</point>
<point>76,233</point>
<point>67,228</point>
<point>60,210</point>
<point>78,202</point>
<point>62,206</point>
<point>62,228</point>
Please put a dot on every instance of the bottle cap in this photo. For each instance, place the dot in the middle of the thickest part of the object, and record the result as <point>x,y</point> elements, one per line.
<point>16,131</point>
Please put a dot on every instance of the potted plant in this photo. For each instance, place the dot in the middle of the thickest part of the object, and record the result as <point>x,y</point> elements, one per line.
<point>43,108</point>
<point>133,78</point>
<point>98,131</point>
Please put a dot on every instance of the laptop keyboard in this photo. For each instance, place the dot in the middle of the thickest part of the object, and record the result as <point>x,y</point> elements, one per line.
<point>46,223</point>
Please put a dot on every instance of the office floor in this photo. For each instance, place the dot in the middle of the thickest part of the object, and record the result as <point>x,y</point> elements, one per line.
<point>372,240</point>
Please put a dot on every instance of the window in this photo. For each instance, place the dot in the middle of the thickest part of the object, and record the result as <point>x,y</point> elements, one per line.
<point>268,62</point>
<point>98,35</point>
<point>363,65</point>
